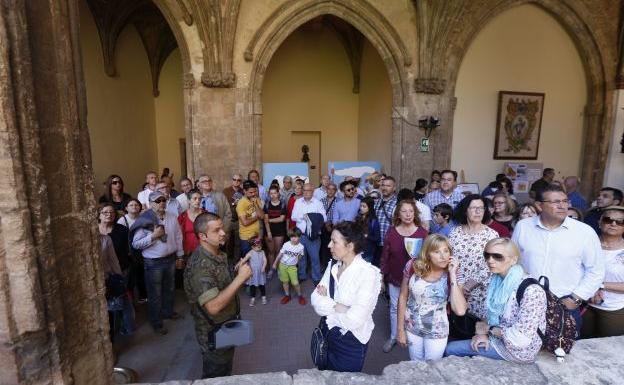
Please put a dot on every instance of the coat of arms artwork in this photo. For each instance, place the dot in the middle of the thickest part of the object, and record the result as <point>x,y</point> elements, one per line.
<point>518,125</point>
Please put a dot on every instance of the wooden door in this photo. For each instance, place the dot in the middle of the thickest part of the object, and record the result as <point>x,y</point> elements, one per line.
<point>312,139</point>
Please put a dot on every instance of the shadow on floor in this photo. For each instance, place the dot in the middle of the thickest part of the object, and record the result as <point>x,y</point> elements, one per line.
<point>282,341</point>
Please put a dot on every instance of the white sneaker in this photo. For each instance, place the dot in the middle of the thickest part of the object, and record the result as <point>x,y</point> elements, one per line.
<point>252,302</point>
<point>389,345</point>
<point>264,300</point>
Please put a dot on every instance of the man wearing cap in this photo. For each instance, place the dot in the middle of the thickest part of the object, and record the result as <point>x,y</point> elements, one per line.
<point>157,234</point>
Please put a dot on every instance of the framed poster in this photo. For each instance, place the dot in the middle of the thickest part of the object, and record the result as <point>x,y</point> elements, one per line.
<point>278,171</point>
<point>469,188</point>
<point>518,125</point>
<point>360,170</point>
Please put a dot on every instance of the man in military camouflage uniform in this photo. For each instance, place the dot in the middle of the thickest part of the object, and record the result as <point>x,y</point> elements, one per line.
<point>209,286</point>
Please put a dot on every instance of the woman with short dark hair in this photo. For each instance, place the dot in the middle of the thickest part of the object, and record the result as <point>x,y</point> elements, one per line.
<point>468,241</point>
<point>348,302</point>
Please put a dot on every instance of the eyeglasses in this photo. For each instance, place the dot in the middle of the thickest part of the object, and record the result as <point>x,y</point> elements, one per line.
<point>205,180</point>
<point>497,257</point>
<point>348,190</point>
<point>499,203</point>
<point>609,220</point>
<point>477,209</point>
<point>160,200</point>
<point>237,180</point>
<point>116,182</point>
<point>558,202</point>
<point>107,212</point>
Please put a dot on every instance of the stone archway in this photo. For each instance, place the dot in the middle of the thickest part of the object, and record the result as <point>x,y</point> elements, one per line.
<point>360,15</point>
<point>575,19</point>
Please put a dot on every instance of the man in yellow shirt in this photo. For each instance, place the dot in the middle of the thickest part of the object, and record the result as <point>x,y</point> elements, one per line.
<point>250,213</point>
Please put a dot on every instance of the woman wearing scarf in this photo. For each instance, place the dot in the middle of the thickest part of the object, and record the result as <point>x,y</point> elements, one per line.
<point>510,331</point>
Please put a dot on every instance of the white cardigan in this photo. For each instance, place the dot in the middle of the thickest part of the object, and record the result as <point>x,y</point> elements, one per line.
<point>358,288</point>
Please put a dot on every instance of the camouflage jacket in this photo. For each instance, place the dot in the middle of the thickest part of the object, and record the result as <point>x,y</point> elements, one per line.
<point>204,277</point>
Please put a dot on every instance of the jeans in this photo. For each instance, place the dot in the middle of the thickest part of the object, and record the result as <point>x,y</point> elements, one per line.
<point>128,327</point>
<point>345,353</point>
<point>463,349</point>
<point>425,349</point>
<point>312,249</point>
<point>159,279</point>
<point>393,292</point>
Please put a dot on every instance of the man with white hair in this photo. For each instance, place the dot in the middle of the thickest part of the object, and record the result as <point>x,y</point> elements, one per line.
<point>309,215</point>
<point>577,201</point>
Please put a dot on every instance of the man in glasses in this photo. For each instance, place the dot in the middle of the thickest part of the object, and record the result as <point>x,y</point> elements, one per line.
<point>448,193</point>
<point>309,215</point>
<point>287,190</point>
<point>173,205</point>
<point>234,192</point>
<point>348,207</point>
<point>158,235</point>
<point>608,196</point>
<point>563,249</point>
<point>215,201</point>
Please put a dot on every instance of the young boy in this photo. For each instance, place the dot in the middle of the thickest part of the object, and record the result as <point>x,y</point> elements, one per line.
<point>288,258</point>
<point>442,217</point>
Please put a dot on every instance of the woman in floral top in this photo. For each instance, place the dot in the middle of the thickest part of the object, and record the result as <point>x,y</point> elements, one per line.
<point>468,242</point>
<point>510,330</point>
<point>422,320</point>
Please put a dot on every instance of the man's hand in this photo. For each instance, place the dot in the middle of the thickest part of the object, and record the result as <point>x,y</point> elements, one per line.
<point>159,231</point>
<point>244,272</point>
<point>597,298</point>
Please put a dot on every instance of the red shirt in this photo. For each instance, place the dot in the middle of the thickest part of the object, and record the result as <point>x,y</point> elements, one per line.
<point>291,205</point>
<point>501,229</point>
<point>189,239</point>
<point>394,255</point>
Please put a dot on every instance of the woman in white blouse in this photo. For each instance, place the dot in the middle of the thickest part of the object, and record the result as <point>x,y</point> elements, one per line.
<point>357,283</point>
<point>605,314</point>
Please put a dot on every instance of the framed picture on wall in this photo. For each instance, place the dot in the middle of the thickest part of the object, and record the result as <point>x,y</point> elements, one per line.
<point>518,125</point>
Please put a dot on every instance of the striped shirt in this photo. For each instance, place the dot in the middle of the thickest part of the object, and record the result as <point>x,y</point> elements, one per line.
<point>385,211</point>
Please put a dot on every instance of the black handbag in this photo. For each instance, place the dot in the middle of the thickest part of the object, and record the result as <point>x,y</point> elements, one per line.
<point>318,342</point>
<point>462,327</point>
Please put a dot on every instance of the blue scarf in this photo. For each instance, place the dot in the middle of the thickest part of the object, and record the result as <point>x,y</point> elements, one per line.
<point>499,291</point>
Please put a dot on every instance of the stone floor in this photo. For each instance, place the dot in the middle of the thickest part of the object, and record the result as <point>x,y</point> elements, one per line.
<point>282,340</point>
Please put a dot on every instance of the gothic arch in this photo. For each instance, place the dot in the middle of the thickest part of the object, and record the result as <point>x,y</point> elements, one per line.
<point>598,113</point>
<point>361,15</point>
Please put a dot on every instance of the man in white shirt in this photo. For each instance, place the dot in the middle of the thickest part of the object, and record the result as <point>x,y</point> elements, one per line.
<point>173,205</point>
<point>565,250</point>
<point>312,243</point>
<point>186,185</point>
<point>321,191</point>
<point>158,235</point>
<point>151,179</point>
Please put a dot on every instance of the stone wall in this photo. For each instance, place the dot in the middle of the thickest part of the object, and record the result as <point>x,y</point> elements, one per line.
<point>595,361</point>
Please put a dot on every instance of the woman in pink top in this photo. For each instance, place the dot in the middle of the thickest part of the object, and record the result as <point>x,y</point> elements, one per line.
<point>189,239</point>
<point>394,256</point>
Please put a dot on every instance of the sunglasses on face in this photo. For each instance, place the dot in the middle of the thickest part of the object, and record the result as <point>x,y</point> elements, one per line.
<point>237,180</point>
<point>116,182</point>
<point>609,220</point>
<point>497,257</point>
<point>348,190</point>
<point>160,200</point>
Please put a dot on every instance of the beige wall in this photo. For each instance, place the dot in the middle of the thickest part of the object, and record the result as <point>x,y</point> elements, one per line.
<point>375,109</point>
<point>308,87</point>
<point>131,131</point>
<point>523,49</point>
<point>121,109</point>
<point>169,115</point>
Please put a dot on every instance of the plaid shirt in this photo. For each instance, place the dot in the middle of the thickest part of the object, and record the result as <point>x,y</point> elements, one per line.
<point>329,211</point>
<point>436,197</point>
<point>385,212</point>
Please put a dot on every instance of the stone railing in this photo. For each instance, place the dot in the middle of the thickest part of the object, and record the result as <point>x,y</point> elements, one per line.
<point>596,361</point>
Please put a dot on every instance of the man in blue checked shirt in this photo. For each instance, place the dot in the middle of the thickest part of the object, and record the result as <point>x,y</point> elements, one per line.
<point>448,193</point>
<point>384,208</point>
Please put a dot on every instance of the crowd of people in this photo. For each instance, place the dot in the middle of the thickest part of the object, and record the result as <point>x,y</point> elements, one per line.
<point>449,262</point>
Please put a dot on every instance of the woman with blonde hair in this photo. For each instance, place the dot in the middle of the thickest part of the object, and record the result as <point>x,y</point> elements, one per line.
<point>504,209</point>
<point>406,230</point>
<point>509,330</point>
<point>428,283</point>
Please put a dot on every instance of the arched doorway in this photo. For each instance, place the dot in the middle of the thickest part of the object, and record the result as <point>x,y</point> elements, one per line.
<point>543,59</point>
<point>133,66</point>
<point>360,15</point>
<point>326,87</point>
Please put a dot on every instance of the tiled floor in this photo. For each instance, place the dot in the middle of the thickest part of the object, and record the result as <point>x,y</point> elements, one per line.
<point>282,340</point>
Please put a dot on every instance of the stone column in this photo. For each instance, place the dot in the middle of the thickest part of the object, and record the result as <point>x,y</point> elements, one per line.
<point>53,318</point>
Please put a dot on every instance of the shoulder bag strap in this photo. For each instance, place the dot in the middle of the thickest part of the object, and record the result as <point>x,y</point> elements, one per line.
<point>331,281</point>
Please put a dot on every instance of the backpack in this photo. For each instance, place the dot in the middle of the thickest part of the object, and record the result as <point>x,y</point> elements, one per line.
<point>560,325</point>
